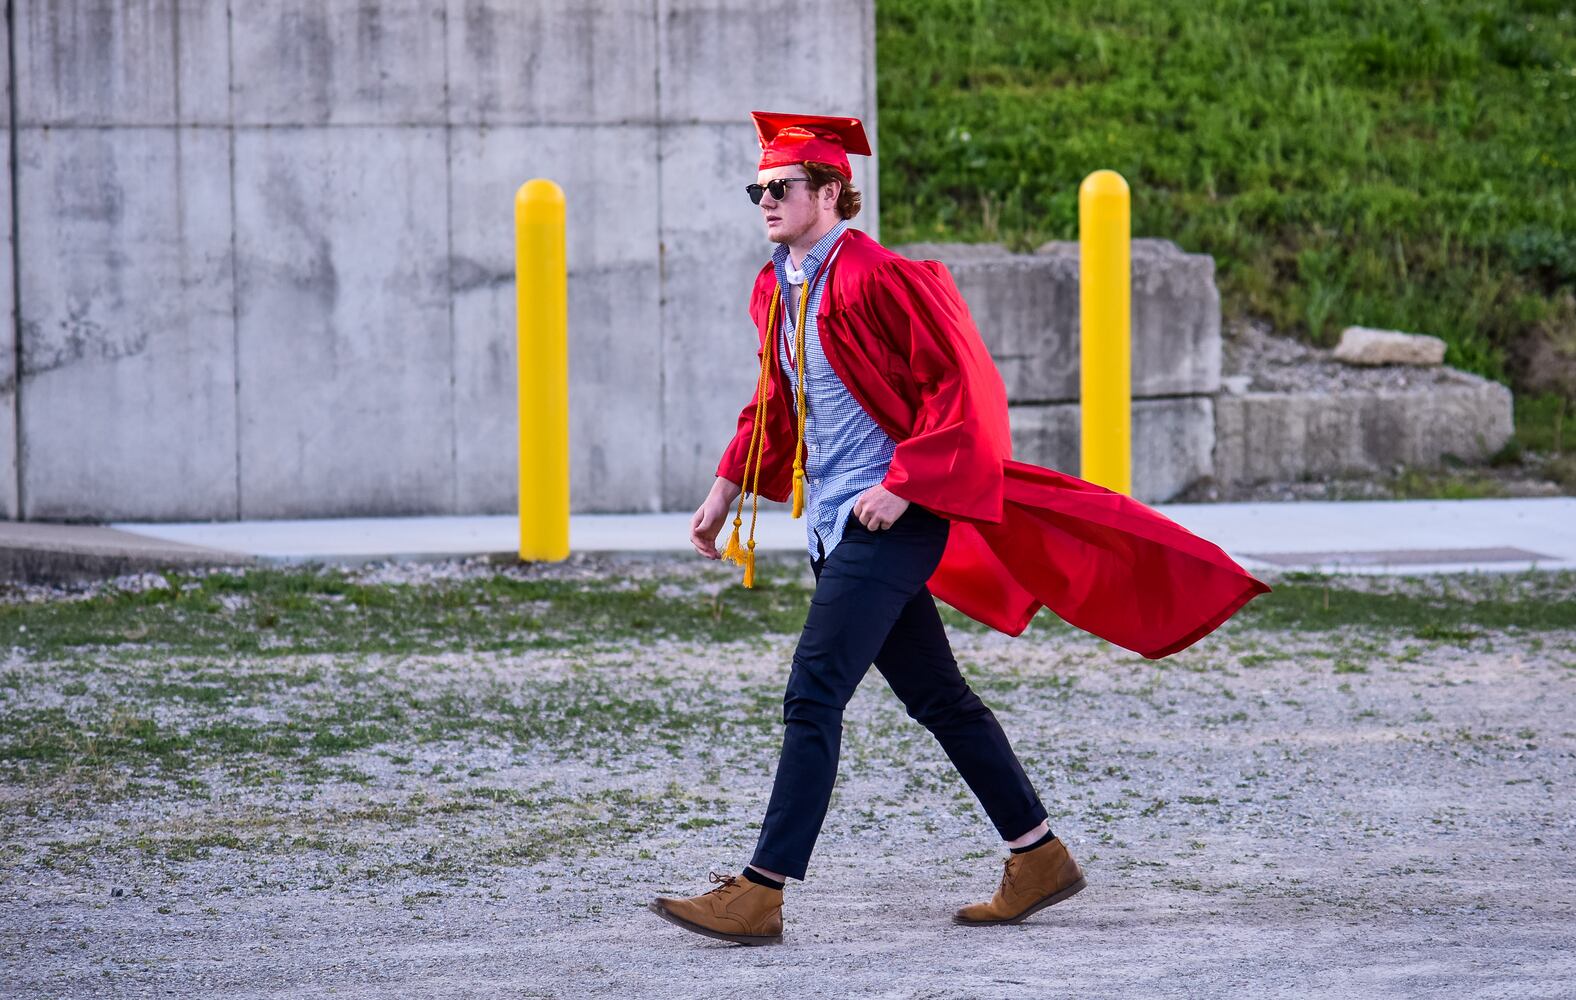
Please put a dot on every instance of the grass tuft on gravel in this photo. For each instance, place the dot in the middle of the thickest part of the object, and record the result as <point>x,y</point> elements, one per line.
<point>277,613</point>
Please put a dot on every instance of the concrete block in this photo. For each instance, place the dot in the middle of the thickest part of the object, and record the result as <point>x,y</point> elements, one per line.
<point>615,327</point>
<point>345,354</point>
<point>721,59</point>
<point>1176,320</point>
<point>127,399</point>
<point>1026,306</point>
<point>352,62</point>
<point>102,62</point>
<point>554,61</point>
<point>1172,441</point>
<point>1263,436</point>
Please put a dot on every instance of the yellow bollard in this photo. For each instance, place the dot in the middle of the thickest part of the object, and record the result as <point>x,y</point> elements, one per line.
<point>542,286</point>
<point>1105,337</point>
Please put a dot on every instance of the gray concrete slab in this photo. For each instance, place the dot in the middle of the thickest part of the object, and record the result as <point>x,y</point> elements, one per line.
<point>345,355</point>
<point>128,337</point>
<point>1263,436</point>
<point>587,63</point>
<point>88,62</point>
<point>1175,316</point>
<point>357,540</point>
<point>61,553</point>
<point>351,62</point>
<point>718,61</point>
<point>1172,441</point>
<point>614,329</point>
<point>1350,536</point>
<point>1356,536</point>
<point>1404,557</point>
<point>1027,309</point>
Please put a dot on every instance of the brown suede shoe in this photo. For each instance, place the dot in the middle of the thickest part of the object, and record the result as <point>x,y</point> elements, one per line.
<point>737,910</point>
<point>1030,882</point>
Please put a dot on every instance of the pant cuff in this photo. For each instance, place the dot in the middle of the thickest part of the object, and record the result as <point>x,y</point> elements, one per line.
<point>782,865</point>
<point>1021,823</point>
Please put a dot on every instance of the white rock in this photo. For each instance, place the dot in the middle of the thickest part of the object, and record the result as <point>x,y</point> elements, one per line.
<point>1362,346</point>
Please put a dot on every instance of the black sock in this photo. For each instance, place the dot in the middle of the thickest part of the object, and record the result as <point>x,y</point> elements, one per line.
<point>759,879</point>
<point>1049,836</point>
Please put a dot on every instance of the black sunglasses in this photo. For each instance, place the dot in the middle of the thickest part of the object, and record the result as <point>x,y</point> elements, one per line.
<point>778,188</point>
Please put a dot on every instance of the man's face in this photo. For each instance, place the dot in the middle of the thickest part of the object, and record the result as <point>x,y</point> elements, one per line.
<point>788,218</point>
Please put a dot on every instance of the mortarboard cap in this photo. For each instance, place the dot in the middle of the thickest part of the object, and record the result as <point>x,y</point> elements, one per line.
<point>788,138</point>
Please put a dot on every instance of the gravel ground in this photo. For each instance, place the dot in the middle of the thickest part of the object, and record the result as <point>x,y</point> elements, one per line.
<point>1358,812</point>
<point>1281,364</point>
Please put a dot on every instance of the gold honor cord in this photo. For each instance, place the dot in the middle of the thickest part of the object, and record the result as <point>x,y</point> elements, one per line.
<point>799,366</point>
<point>733,552</point>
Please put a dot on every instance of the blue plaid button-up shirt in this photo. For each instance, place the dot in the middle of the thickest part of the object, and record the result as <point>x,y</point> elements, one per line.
<point>846,452</point>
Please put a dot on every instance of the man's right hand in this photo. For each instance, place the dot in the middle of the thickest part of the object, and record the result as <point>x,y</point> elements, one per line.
<point>709,518</point>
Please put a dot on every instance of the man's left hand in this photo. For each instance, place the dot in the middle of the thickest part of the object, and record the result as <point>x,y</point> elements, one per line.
<point>877,508</point>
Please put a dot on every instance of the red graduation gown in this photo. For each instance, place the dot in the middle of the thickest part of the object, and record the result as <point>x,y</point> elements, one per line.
<point>899,335</point>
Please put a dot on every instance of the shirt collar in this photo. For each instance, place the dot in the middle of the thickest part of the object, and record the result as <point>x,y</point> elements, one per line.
<point>812,260</point>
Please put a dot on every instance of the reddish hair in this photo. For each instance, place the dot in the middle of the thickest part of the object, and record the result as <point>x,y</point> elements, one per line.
<point>848,199</point>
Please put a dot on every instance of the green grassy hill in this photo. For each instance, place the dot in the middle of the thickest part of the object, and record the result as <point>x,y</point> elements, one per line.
<point>1395,163</point>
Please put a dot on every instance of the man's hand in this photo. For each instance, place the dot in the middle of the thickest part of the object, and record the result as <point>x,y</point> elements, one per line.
<point>877,508</point>
<point>709,518</point>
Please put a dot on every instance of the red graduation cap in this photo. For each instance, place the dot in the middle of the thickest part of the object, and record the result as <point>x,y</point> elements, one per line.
<point>787,138</point>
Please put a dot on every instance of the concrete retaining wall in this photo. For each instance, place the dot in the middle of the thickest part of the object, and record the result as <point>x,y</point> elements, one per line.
<point>266,249</point>
<point>1263,436</point>
<point>1173,441</point>
<point>1026,306</point>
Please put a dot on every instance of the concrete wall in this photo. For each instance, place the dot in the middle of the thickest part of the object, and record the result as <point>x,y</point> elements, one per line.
<point>266,249</point>
<point>8,398</point>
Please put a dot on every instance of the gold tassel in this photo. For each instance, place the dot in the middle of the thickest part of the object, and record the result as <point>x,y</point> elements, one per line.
<point>798,492</point>
<point>756,454</point>
<point>733,553</point>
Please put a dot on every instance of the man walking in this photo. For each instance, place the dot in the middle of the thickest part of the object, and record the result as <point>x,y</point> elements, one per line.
<point>879,412</point>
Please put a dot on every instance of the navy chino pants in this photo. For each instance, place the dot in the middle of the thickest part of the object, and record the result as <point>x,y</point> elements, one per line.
<point>871,605</point>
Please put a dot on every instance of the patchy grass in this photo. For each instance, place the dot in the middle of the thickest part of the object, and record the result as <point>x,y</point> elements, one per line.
<point>278,613</point>
<point>1462,606</point>
<point>135,731</point>
<point>274,613</point>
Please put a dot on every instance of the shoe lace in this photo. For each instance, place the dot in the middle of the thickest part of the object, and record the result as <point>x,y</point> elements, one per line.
<point>725,882</point>
<point>1006,871</point>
